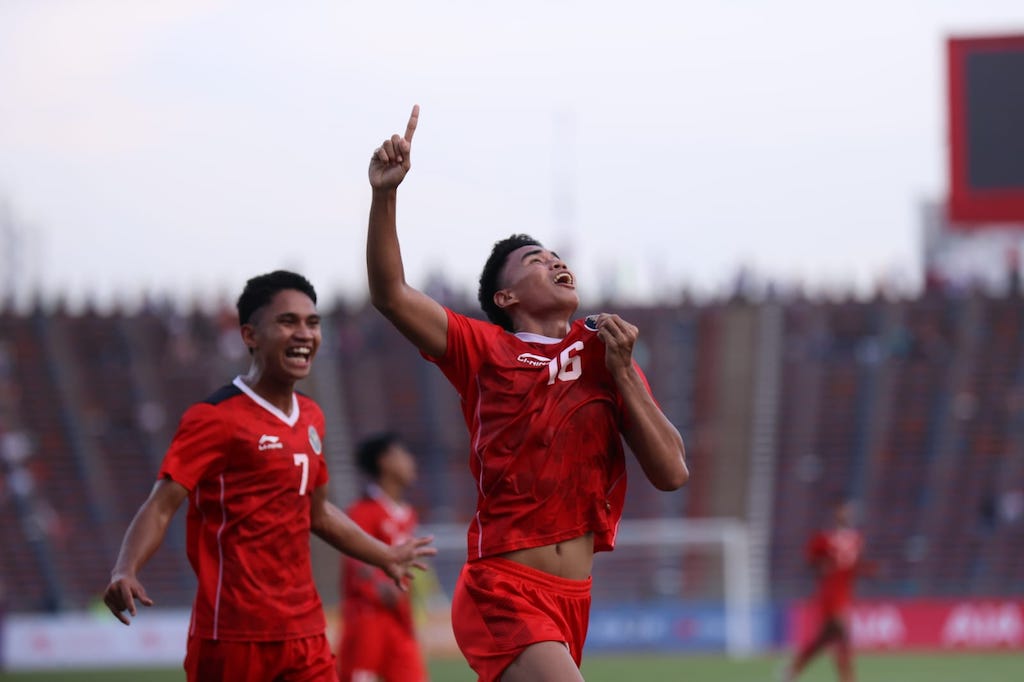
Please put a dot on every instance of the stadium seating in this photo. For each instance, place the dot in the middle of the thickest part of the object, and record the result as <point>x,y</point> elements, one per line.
<point>915,407</point>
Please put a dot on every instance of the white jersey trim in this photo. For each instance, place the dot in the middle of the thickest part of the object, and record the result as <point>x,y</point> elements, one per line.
<point>530,337</point>
<point>289,419</point>
<point>220,559</point>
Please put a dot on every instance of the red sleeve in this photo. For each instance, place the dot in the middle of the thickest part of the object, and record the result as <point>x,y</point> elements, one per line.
<point>467,338</point>
<point>198,448</point>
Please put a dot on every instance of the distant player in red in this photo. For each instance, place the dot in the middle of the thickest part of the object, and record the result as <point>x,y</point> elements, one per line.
<point>378,637</point>
<point>836,555</point>
<point>249,460</point>
<point>546,401</point>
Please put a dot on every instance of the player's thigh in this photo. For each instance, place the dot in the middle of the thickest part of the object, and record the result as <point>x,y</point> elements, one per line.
<point>543,662</point>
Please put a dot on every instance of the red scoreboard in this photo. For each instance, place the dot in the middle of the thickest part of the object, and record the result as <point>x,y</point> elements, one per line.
<point>986,129</point>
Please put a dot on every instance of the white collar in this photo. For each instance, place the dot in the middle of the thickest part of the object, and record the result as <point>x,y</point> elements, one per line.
<point>288,419</point>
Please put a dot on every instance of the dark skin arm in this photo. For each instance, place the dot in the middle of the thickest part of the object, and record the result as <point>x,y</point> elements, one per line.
<point>144,535</point>
<point>651,436</point>
<point>334,527</point>
<point>420,318</point>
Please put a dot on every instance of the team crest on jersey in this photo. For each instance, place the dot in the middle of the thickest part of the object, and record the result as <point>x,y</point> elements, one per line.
<point>533,360</point>
<point>314,440</point>
<point>591,323</point>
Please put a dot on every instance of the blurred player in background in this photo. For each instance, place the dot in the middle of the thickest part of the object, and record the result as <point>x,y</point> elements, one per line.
<point>546,402</point>
<point>249,460</point>
<point>378,635</point>
<point>837,556</point>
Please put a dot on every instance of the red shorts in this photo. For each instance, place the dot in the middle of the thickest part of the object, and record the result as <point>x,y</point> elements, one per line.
<point>306,659</point>
<point>500,607</point>
<point>378,646</point>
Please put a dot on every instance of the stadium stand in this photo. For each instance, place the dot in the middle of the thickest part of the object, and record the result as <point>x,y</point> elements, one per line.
<point>913,406</point>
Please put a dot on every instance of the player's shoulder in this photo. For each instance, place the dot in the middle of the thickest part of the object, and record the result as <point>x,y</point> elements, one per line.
<point>211,412</point>
<point>362,508</point>
<point>308,405</point>
<point>464,322</point>
<point>212,405</point>
<point>221,395</point>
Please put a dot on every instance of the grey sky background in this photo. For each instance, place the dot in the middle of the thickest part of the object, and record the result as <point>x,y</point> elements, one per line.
<point>183,146</point>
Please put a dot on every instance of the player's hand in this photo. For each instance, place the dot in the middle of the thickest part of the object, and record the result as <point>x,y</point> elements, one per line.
<point>121,594</point>
<point>390,161</point>
<point>405,557</point>
<point>618,337</point>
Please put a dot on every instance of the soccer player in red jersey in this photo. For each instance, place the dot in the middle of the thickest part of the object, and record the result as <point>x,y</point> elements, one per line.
<point>378,637</point>
<point>836,555</point>
<point>249,460</point>
<point>545,400</point>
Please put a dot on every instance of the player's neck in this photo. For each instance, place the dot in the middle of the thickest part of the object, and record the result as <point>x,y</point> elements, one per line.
<point>552,327</point>
<point>393,489</point>
<point>277,393</point>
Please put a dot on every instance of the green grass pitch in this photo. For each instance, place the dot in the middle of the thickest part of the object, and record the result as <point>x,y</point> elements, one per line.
<point>1003,667</point>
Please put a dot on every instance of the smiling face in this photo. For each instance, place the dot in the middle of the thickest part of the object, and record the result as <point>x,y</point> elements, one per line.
<point>536,283</point>
<point>283,337</point>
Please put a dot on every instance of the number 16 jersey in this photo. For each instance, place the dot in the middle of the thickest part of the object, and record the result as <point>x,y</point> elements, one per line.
<point>544,417</point>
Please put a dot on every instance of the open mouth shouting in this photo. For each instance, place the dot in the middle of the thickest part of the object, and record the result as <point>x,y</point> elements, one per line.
<point>564,278</point>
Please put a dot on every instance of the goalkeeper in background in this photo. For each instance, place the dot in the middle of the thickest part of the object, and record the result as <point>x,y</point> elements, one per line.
<point>378,635</point>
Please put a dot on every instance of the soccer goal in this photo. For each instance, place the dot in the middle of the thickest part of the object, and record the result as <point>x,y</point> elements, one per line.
<point>674,584</point>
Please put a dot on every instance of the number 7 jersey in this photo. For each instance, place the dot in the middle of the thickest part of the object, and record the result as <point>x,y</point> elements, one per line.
<point>250,470</point>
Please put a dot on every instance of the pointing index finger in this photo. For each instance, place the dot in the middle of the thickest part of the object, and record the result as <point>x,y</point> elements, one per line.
<point>414,117</point>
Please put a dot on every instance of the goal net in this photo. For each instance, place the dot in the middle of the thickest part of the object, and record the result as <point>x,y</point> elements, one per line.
<point>671,584</point>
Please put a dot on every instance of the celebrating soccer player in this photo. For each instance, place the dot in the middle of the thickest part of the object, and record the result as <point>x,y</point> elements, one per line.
<point>249,459</point>
<point>545,399</point>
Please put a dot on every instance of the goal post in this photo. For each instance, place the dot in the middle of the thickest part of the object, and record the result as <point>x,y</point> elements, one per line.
<point>650,570</point>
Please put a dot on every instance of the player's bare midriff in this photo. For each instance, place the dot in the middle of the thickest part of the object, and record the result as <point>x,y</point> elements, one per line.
<point>572,559</point>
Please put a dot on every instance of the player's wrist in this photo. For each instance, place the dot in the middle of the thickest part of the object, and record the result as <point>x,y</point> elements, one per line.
<point>384,192</point>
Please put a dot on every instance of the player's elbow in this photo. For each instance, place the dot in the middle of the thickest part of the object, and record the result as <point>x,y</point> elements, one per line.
<point>675,476</point>
<point>673,480</point>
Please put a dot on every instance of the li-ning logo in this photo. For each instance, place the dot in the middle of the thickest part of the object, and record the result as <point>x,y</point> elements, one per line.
<point>270,443</point>
<point>533,360</point>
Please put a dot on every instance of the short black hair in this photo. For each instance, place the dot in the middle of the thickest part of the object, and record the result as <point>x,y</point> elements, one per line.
<point>260,290</point>
<point>491,272</point>
<point>371,449</point>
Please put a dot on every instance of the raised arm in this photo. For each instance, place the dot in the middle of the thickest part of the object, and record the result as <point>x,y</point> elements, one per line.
<point>144,535</point>
<point>335,528</point>
<point>650,435</point>
<point>420,318</point>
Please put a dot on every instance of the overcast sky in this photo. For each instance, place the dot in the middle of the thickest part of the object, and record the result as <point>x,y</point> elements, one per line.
<point>183,146</point>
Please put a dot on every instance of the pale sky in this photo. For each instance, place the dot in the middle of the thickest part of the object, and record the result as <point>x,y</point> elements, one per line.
<point>181,146</point>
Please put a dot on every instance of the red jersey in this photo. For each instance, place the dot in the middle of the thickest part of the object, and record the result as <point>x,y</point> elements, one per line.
<point>392,523</point>
<point>837,553</point>
<point>250,469</point>
<point>544,418</point>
